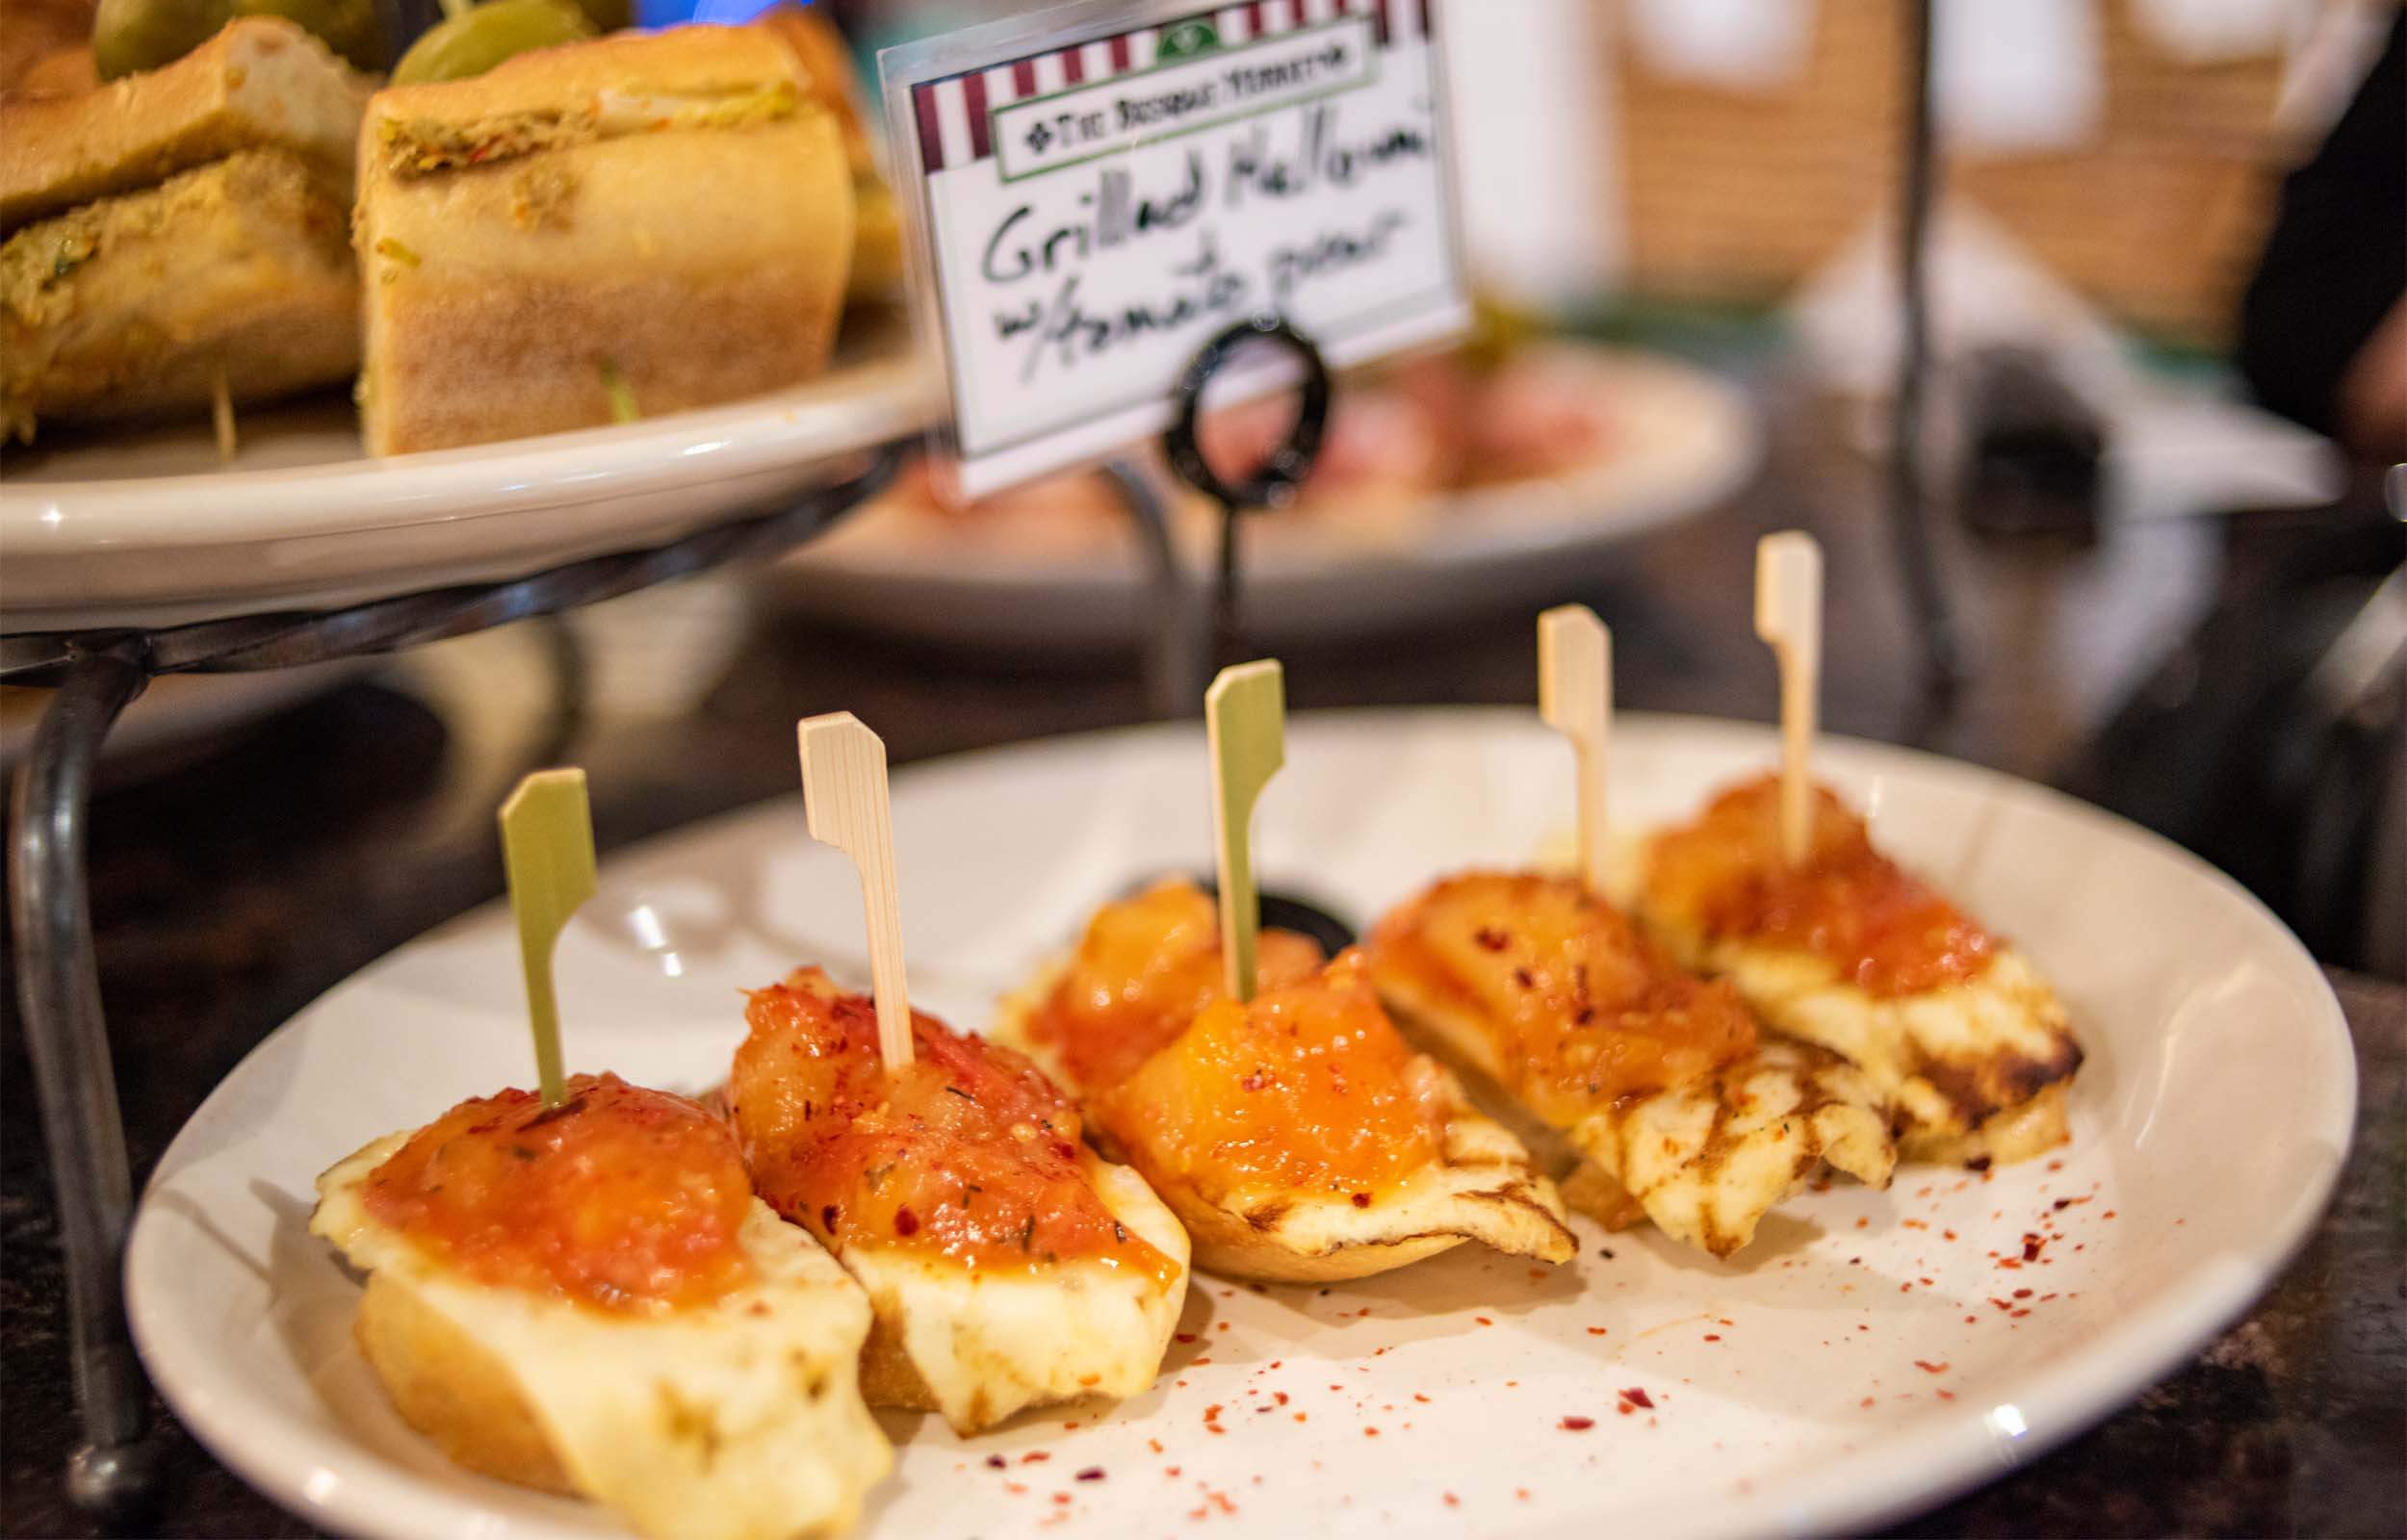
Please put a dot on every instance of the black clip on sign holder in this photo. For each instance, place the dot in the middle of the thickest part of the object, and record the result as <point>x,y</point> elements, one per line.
<point>1273,483</point>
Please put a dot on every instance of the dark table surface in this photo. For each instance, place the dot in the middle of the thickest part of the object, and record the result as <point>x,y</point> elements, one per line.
<point>235,880</point>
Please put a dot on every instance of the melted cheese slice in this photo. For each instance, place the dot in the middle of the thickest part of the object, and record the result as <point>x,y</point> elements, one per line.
<point>736,1419</point>
<point>986,1344</point>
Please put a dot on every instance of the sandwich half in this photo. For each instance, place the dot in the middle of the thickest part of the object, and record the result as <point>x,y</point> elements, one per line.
<point>180,236</point>
<point>631,226</point>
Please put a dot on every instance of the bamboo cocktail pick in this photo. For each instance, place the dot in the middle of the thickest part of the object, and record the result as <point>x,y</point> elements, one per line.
<point>843,792</point>
<point>1575,697</point>
<point>1245,717</point>
<point>1788,617</point>
<point>546,857</point>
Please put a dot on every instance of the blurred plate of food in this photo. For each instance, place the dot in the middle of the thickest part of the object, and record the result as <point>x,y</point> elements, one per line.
<point>283,333</point>
<point>1447,482</point>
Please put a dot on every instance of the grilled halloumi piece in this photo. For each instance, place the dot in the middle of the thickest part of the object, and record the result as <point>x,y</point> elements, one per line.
<point>1664,1100</point>
<point>516,1333</point>
<point>1007,1265</point>
<point>1955,1027</point>
<point>1296,1136</point>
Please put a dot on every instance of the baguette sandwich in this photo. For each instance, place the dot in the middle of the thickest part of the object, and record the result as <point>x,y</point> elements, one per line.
<point>637,224</point>
<point>178,237</point>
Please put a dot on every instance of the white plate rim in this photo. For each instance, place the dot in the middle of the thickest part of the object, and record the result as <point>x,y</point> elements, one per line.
<point>1914,1473</point>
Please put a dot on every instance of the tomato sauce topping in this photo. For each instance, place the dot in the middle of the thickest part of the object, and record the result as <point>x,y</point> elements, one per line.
<point>1309,1086</point>
<point>619,1197</point>
<point>1145,968</point>
<point>1889,933</point>
<point>1580,1010</point>
<point>968,1152</point>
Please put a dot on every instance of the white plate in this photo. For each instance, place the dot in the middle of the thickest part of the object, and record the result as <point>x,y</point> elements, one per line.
<point>2209,1125</point>
<point>1685,442</point>
<point>145,528</point>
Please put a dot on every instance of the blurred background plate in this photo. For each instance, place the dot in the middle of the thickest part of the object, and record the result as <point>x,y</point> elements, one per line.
<point>1683,440</point>
<point>148,529</point>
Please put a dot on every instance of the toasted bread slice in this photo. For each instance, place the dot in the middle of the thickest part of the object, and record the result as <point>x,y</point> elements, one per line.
<point>260,83</point>
<point>640,223</point>
<point>137,306</point>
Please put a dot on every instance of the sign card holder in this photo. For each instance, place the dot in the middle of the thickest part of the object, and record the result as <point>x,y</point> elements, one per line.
<point>1092,193</point>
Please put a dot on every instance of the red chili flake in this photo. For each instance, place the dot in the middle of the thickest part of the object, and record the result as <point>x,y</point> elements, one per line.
<point>1185,1336</point>
<point>1418,1397</point>
<point>996,1462</point>
<point>1946,1394</point>
<point>1035,1457</point>
<point>906,1222</point>
<point>1153,1444</point>
<point>1866,1401</point>
<point>1483,1321</point>
<point>1298,1417</point>
<point>1860,1326</point>
<point>1929,1368</point>
<point>1576,1425</point>
<point>1978,1163</point>
<point>1946,1235</point>
<point>1220,1325</point>
<point>2031,1247</point>
<point>1362,1200</point>
<point>1924,1282</point>
<point>2021,1294</point>
<point>1639,1398</point>
<point>1626,1408</point>
<point>1915,1224</point>
<point>1862,1224</point>
<point>1200,1362</point>
<point>1595,1331</point>
<point>2018,1315</point>
<point>1061,1498</point>
<point>1371,1433</point>
<point>2107,1214</point>
<point>1219,1500</point>
<point>1093,1472</point>
<point>2010,1262</point>
<point>827,1216</point>
<point>2055,1165</point>
<point>1015,1488</point>
<point>1970,1320</point>
<point>1713,1336</point>
<point>1452,1501</point>
<point>1494,940</point>
<point>1172,1473</point>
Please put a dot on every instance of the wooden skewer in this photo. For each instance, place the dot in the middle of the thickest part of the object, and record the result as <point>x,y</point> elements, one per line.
<point>843,790</point>
<point>1575,697</point>
<point>1788,617</point>
<point>546,858</point>
<point>1245,717</point>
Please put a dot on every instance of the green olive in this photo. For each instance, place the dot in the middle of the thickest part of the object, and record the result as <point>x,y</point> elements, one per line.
<point>608,16</point>
<point>351,28</point>
<point>129,35</point>
<point>474,42</point>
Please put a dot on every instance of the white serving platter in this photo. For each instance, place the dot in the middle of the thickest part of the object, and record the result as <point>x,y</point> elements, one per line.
<point>1684,442</point>
<point>1872,1353</point>
<point>147,528</point>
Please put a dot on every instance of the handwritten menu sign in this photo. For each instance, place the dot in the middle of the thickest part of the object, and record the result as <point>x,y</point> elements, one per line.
<point>1093,200</point>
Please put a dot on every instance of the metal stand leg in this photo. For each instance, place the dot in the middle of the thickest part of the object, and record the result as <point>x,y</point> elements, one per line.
<point>1926,594</point>
<point>114,1473</point>
<point>1173,681</point>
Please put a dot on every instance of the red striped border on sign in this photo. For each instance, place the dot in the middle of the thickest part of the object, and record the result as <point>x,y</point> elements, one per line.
<point>955,116</point>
